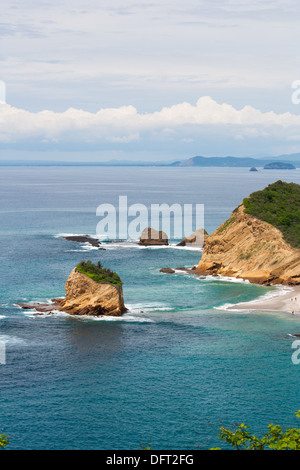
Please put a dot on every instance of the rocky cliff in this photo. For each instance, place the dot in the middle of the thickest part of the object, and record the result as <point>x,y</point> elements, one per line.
<point>249,248</point>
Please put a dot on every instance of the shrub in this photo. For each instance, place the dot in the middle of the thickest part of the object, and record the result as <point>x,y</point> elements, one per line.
<point>275,438</point>
<point>279,205</point>
<point>98,273</point>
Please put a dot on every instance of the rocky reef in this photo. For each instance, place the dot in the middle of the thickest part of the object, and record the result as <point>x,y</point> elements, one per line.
<point>84,239</point>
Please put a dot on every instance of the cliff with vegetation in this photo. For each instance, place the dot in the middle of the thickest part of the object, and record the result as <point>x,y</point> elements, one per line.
<point>260,241</point>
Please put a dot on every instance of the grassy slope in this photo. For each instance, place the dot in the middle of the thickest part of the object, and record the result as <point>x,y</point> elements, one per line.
<point>99,274</point>
<point>279,205</point>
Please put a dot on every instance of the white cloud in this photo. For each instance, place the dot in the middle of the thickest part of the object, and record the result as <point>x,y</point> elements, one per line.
<point>125,125</point>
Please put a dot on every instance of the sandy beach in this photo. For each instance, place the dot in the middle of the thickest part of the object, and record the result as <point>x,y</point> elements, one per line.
<point>285,301</point>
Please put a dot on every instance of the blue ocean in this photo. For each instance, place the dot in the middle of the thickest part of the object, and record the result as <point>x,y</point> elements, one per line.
<point>178,364</point>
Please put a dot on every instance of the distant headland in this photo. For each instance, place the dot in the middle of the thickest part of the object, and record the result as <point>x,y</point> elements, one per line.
<point>198,161</point>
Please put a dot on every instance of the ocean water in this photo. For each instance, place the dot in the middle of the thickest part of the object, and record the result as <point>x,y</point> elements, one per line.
<point>177,365</point>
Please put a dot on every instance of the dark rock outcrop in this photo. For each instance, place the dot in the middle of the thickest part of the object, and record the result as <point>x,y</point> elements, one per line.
<point>167,270</point>
<point>84,239</point>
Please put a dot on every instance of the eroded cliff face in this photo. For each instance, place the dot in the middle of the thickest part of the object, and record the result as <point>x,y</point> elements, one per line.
<point>248,248</point>
<point>87,297</point>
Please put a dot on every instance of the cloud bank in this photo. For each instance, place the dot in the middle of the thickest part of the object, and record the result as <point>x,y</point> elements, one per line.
<point>183,122</point>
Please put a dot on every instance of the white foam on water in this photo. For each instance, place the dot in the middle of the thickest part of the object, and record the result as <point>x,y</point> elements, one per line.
<point>148,307</point>
<point>131,316</point>
<point>124,318</point>
<point>60,235</point>
<point>6,339</point>
<point>130,243</point>
<point>105,318</point>
<point>224,279</point>
<point>88,247</point>
<point>280,290</point>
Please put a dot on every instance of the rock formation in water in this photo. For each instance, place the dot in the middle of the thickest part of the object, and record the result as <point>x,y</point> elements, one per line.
<point>196,238</point>
<point>86,296</point>
<point>167,270</point>
<point>150,236</point>
<point>84,239</point>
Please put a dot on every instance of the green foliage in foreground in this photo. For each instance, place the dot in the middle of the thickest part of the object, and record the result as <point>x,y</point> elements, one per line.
<point>279,205</point>
<point>274,439</point>
<point>3,441</point>
<point>98,273</point>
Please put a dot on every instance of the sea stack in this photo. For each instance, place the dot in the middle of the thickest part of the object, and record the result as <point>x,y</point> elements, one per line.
<point>196,238</point>
<point>90,290</point>
<point>85,296</point>
<point>150,236</point>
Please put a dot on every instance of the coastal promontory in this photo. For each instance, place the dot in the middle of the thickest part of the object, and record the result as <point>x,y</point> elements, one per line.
<point>260,241</point>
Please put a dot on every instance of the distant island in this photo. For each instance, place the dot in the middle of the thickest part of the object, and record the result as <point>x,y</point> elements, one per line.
<point>200,161</point>
<point>279,166</point>
<point>260,241</point>
<point>231,162</point>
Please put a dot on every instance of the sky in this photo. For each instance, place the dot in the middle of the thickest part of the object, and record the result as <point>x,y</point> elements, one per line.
<point>157,80</point>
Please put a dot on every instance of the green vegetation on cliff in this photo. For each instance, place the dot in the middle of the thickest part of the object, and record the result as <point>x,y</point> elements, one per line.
<point>98,273</point>
<point>279,205</point>
<point>3,441</point>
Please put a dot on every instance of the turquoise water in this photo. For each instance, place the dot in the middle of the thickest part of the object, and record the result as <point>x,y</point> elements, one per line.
<point>177,365</point>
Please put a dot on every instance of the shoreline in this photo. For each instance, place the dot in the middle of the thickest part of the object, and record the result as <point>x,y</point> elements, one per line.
<point>284,301</point>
